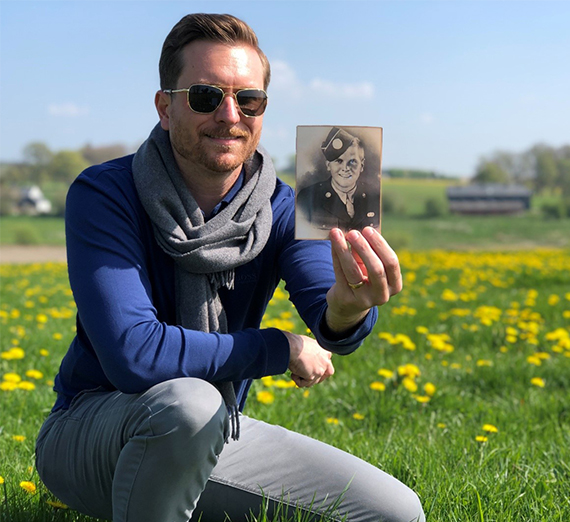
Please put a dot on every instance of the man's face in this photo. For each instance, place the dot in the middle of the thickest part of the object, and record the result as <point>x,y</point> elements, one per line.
<point>346,169</point>
<point>221,141</point>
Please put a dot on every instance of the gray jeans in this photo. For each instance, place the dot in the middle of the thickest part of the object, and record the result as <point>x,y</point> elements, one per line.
<point>160,456</point>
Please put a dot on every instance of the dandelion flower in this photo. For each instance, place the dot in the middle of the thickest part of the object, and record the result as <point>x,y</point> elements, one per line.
<point>489,428</point>
<point>30,487</point>
<point>388,374</point>
<point>265,397</point>
<point>410,384</point>
<point>481,438</point>
<point>377,386</point>
<point>12,377</point>
<point>26,385</point>
<point>19,438</point>
<point>537,381</point>
<point>332,420</point>
<point>441,425</point>
<point>306,393</point>
<point>358,416</point>
<point>34,374</point>
<point>422,398</point>
<point>484,362</point>
<point>1,479</point>
<point>429,388</point>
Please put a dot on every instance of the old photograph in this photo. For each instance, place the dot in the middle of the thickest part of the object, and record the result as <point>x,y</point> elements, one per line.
<point>338,179</point>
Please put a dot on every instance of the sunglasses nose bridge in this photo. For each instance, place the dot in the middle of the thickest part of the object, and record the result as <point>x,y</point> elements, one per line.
<point>236,107</point>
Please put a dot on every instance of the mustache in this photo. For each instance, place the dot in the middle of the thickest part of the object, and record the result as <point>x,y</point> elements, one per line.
<point>226,133</point>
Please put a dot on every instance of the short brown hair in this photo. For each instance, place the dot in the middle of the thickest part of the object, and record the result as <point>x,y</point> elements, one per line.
<point>223,28</point>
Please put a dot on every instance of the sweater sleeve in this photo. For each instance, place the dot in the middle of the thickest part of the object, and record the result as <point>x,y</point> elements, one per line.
<point>306,266</point>
<point>108,237</point>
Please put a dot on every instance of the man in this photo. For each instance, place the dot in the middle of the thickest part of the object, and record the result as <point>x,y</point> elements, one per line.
<point>345,200</point>
<point>173,256</point>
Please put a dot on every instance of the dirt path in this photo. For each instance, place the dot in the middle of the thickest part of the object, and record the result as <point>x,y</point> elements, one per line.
<point>31,254</point>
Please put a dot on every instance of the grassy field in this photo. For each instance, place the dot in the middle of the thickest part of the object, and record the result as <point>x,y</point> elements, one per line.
<point>462,391</point>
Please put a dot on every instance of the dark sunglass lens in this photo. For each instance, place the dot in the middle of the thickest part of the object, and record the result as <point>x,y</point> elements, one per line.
<point>252,102</point>
<point>204,98</point>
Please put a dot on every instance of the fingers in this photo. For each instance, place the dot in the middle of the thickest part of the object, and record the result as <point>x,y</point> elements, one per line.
<point>347,268</point>
<point>369,257</point>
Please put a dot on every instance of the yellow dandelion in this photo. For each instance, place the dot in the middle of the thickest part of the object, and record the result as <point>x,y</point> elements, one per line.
<point>537,381</point>
<point>26,385</point>
<point>441,425</point>
<point>8,386</point>
<point>388,374</point>
<point>533,359</point>
<point>332,420</point>
<point>57,336</point>
<point>484,362</point>
<point>34,374</point>
<point>19,438</point>
<point>481,438</point>
<point>282,383</point>
<point>268,381</point>
<point>30,487</point>
<point>2,479</point>
<point>265,397</point>
<point>422,398</point>
<point>429,388</point>
<point>422,330</point>
<point>409,370</point>
<point>377,386</point>
<point>12,377</point>
<point>306,393</point>
<point>489,428</point>
<point>42,318</point>
<point>358,416</point>
<point>410,384</point>
<point>44,352</point>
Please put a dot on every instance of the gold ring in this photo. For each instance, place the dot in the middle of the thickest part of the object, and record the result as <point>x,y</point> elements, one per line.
<point>356,286</point>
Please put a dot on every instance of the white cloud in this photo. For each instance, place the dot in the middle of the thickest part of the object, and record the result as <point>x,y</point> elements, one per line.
<point>284,78</point>
<point>342,90</point>
<point>427,118</point>
<point>67,110</point>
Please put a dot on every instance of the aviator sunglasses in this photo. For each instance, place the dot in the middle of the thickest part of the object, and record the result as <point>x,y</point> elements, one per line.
<point>205,99</point>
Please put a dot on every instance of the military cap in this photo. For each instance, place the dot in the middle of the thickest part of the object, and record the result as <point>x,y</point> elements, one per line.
<point>336,143</point>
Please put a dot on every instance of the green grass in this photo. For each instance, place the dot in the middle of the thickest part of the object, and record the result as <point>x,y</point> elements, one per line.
<point>40,230</point>
<point>505,316</point>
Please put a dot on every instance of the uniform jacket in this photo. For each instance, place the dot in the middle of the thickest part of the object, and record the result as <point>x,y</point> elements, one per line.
<point>320,205</point>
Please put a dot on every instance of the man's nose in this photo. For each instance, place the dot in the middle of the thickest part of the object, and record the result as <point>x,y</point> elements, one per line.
<point>228,111</point>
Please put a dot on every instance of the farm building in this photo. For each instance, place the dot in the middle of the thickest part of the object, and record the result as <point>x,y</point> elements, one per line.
<point>488,198</point>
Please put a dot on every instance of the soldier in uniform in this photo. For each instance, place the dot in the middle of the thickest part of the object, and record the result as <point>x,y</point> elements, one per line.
<point>346,199</point>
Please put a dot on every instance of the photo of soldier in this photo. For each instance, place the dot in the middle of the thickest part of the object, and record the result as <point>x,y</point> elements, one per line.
<point>348,198</point>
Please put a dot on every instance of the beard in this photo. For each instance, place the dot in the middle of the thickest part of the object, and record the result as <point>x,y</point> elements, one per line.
<point>215,157</point>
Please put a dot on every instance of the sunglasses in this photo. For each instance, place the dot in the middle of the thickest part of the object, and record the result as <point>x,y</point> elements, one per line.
<point>205,99</point>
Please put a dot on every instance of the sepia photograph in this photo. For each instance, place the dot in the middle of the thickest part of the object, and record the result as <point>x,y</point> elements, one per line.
<point>338,179</point>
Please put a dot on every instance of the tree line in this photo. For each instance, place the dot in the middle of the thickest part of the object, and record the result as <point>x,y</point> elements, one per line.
<point>541,168</point>
<point>52,171</point>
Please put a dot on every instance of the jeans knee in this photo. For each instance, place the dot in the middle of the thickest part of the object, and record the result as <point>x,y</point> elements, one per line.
<point>187,408</point>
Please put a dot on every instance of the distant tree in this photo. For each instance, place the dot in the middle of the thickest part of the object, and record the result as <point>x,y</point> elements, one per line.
<point>546,168</point>
<point>489,172</point>
<point>37,156</point>
<point>66,165</point>
<point>96,155</point>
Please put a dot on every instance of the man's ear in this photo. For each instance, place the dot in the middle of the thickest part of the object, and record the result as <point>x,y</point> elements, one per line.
<point>162,103</point>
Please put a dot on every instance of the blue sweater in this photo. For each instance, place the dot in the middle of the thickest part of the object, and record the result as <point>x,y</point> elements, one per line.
<point>123,284</point>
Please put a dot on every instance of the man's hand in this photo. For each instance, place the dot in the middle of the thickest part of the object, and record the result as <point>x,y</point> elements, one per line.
<point>308,362</point>
<point>369,260</point>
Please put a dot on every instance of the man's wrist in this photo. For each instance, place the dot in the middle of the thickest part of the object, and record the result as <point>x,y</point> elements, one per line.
<point>335,327</point>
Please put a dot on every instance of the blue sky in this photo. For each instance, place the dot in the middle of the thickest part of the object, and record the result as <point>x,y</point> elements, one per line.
<point>449,81</point>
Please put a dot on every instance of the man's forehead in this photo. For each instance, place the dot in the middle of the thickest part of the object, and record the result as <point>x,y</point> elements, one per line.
<point>353,151</point>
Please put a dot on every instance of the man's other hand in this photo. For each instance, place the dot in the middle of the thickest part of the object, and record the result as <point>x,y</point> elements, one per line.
<point>308,362</point>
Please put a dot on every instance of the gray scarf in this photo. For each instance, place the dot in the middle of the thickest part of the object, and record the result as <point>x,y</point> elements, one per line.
<point>205,253</point>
